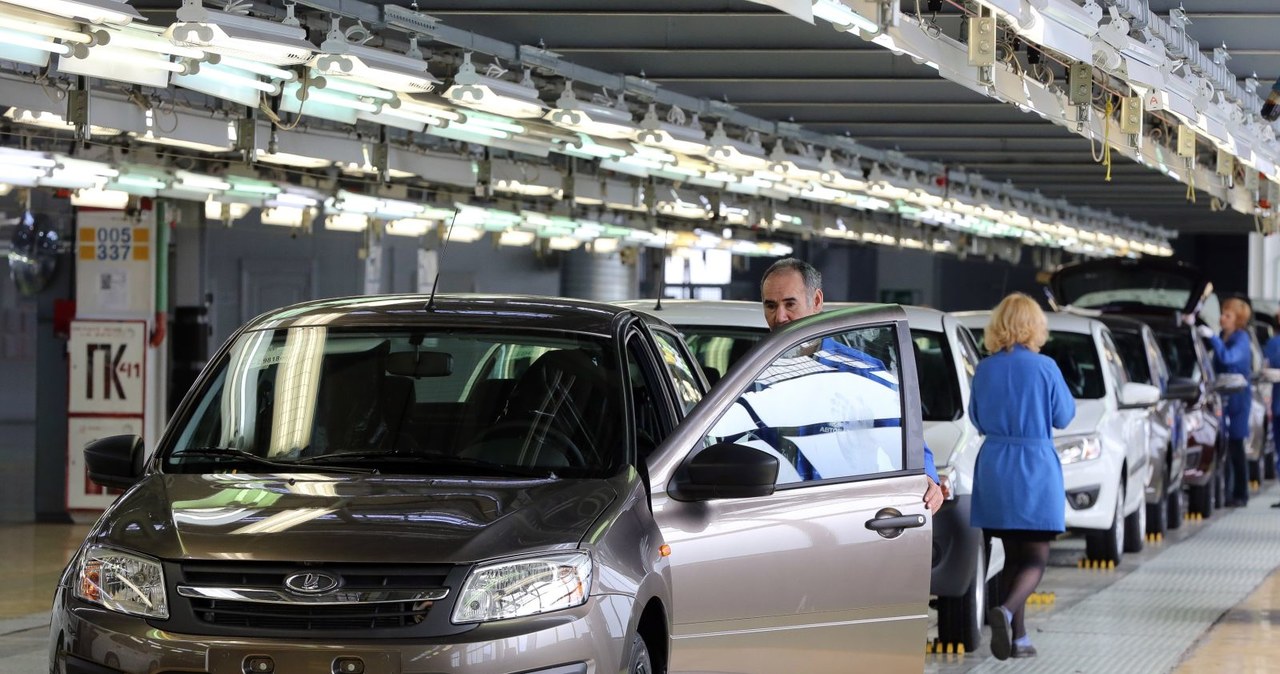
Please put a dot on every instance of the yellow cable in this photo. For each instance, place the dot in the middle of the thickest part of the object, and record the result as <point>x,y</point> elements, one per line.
<point>1106,138</point>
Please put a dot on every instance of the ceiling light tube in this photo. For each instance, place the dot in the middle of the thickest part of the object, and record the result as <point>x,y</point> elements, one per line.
<point>231,77</point>
<point>428,105</point>
<point>495,95</point>
<point>229,210</point>
<point>29,41</point>
<point>196,181</point>
<point>42,24</point>
<point>843,17</point>
<point>398,72</point>
<point>143,39</point>
<point>283,216</point>
<point>464,233</point>
<point>114,12</point>
<point>591,118</point>
<point>259,68</point>
<point>690,139</point>
<point>322,96</point>
<point>409,226</point>
<point>595,148</point>
<point>735,154</point>
<point>91,198</point>
<point>516,237</point>
<point>346,222</point>
<point>239,35</point>
<point>348,86</point>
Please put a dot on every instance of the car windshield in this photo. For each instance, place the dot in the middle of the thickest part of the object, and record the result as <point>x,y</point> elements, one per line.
<point>1179,351</point>
<point>416,402</point>
<point>720,348</point>
<point>1077,357</point>
<point>1120,287</point>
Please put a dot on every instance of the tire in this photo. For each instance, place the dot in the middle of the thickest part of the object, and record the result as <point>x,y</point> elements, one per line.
<point>960,618</point>
<point>638,662</point>
<point>1158,516</point>
<point>1174,510</point>
<point>1135,529</point>
<point>1108,545</point>
<point>1200,499</point>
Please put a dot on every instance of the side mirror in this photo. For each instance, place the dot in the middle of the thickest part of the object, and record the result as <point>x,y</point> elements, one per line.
<point>115,461</point>
<point>1230,382</point>
<point>713,375</point>
<point>1134,394</point>
<point>1182,388</point>
<point>725,470</point>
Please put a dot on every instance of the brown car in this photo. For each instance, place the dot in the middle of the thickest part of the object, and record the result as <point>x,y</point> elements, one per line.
<point>479,484</point>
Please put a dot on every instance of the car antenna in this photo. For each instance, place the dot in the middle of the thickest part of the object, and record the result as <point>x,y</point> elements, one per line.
<point>444,245</point>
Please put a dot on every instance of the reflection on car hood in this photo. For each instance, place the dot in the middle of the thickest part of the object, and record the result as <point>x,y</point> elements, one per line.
<point>345,518</point>
<point>1088,416</point>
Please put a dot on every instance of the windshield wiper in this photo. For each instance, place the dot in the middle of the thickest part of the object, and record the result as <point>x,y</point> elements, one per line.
<point>432,461</point>
<point>240,454</point>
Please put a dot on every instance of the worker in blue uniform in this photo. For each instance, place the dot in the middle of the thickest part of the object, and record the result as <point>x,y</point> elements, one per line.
<point>791,289</point>
<point>1271,350</point>
<point>1018,398</point>
<point>1231,353</point>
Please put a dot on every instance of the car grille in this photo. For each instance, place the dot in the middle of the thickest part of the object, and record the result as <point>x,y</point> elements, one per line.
<point>271,615</point>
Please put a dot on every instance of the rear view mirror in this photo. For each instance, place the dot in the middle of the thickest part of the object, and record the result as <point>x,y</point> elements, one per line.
<point>726,470</point>
<point>1182,388</point>
<point>1134,394</point>
<point>1230,382</point>
<point>115,461</point>
<point>418,364</point>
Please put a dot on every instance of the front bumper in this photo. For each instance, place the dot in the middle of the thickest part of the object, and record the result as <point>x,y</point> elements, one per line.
<point>574,641</point>
<point>1097,479</point>
<point>955,546</point>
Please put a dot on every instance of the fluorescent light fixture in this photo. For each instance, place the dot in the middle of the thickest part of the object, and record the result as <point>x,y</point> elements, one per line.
<point>735,154</point>
<point>690,139</point>
<point>843,17</point>
<point>346,222</point>
<point>592,118</point>
<point>604,246</point>
<point>409,226</point>
<point>586,147</point>
<point>225,210</point>
<point>122,64</point>
<point>563,243</point>
<point>528,179</point>
<point>227,83</point>
<point>464,233</point>
<point>100,198</point>
<point>283,216</point>
<point>22,47</point>
<point>484,92</point>
<point>239,35</point>
<point>684,204</point>
<point>42,24</point>
<point>429,105</point>
<point>344,85</point>
<point>200,182</point>
<point>115,12</point>
<point>149,39</point>
<point>397,72</point>
<point>793,166</point>
<point>516,237</point>
<point>293,197</point>
<point>292,160</point>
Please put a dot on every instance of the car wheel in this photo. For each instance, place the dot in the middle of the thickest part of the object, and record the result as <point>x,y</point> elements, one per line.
<point>960,618</point>
<point>1158,516</point>
<point>639,662</point>
<point>1174,509</point>
<point>1108,545</point>
<point>1201,499</point>
<point>1135,529</point>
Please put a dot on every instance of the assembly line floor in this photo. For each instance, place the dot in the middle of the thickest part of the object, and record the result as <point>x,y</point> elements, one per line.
<point>1202,600</point>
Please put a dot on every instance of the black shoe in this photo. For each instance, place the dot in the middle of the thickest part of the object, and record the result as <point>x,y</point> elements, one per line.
<point>1023,651</point>
<point>1001,633</point>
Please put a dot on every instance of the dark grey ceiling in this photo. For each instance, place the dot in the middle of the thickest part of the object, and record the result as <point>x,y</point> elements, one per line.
<point>775,66</point>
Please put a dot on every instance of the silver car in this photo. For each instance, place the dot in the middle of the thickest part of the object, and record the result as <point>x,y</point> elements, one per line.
<point>488,485</point>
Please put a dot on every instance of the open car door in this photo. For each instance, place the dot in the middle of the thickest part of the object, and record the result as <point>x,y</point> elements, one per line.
<point>791,498</point>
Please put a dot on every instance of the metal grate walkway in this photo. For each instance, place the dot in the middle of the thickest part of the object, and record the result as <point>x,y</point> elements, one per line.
<point>1147,620</point>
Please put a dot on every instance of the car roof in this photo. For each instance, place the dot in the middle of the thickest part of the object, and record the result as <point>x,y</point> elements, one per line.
<point>453,310</point>
<point>742,314</point>
<point>1065,322</point>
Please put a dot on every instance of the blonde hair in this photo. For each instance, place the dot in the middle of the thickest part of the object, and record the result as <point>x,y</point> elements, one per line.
<point>1016,320</point>
<point>1242,309</point>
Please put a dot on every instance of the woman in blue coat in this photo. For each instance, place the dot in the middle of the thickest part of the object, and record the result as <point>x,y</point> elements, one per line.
<point>1018,398</point>
<point>1231,353</point>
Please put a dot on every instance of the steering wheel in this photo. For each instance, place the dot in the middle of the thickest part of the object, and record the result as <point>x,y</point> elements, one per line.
<point>553,439</point>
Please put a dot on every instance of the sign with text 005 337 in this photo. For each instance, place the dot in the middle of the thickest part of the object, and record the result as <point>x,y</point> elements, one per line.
<point>108,367</point>
<point>113,266</point>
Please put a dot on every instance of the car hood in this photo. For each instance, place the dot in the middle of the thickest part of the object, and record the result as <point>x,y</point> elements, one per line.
<point>350,518</point>
<point>1117,284</point>
<point>1088,417</point>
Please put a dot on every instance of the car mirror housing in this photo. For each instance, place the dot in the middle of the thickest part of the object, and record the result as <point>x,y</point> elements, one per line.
<point>725,470</point>
<point>1134,394</point>
<point>1230,382</point>
<point>1182,388</point>
<point>115,461</point>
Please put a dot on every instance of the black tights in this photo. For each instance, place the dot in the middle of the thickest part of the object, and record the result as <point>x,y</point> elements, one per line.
<point>1024,564</point>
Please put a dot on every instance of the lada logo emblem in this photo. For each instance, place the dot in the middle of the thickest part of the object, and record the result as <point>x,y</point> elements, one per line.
<point>311,582</point>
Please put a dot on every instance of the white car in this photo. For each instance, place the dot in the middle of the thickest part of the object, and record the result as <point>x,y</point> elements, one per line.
<point>720,332</point>
<point>1105,463</point>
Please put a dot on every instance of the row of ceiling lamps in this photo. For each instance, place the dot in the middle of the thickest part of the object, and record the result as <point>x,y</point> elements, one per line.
<point>209,52</point>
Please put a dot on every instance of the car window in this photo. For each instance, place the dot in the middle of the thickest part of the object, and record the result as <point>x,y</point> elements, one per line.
<point>651,428</point>
<point>719,348</point>
<point>1179,352</point>
<point>1133,353</point>
<point>939,387</point>
<point>683,377</point>
<point>827,410</point>
<point>1114,362</point>
<point>970,354</point>
<point>1160,369</point>
<point>1077,357</point>
<point>411,401</point>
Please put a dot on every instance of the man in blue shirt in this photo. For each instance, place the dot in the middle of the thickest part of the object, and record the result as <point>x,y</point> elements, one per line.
<point>1272,352</point>
<point>791,289</point>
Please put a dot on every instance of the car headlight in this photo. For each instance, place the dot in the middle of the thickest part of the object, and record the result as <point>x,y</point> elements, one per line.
<point>524,587</point>
<point>123,582</point>
<point>1083,448</point>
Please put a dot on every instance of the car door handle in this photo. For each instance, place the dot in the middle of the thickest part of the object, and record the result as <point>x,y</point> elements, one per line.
<point>889,525</point>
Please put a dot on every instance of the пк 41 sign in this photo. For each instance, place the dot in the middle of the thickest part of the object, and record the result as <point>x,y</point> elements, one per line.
<point>108,362</point>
